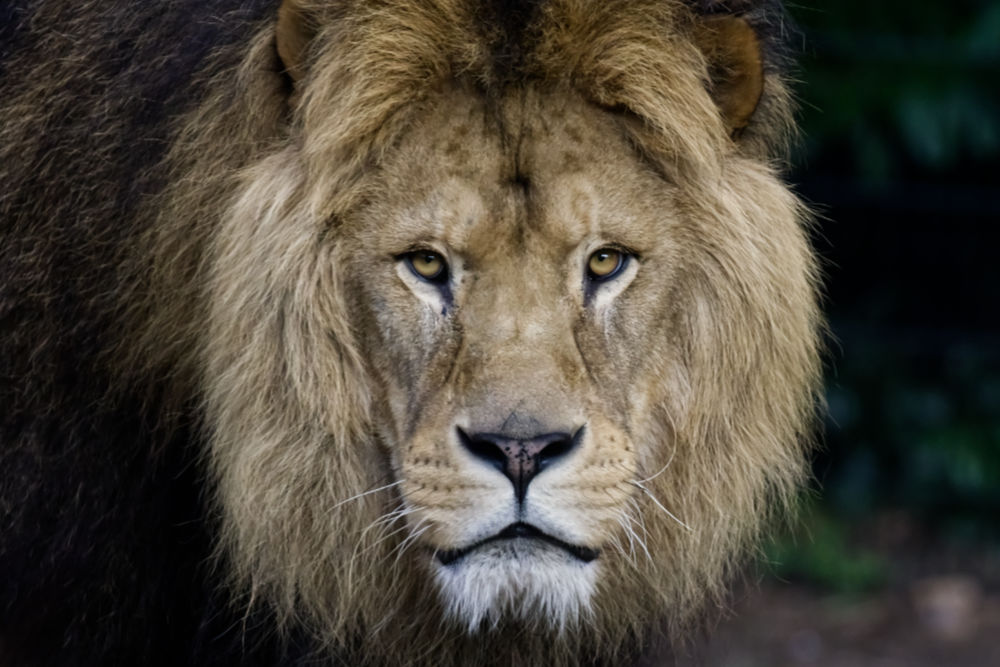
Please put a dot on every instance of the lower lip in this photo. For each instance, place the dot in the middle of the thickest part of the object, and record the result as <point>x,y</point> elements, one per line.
<point>519,531</point>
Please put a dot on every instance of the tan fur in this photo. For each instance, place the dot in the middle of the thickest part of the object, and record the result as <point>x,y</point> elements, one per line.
<point>327,384</point>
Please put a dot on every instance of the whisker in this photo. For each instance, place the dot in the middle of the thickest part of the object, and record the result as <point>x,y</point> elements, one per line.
<point>627,530</point>
<point>400,510</point>
<point>383,538</point>
<point>410,540</point>
<point>381,524</point>
<point>662,470</point>
<point>366,493</point>
<point>660,505</point>
<point>641,539</point>
<point>638,515</point>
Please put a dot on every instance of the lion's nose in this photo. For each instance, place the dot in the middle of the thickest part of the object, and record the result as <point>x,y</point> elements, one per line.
<point>520,459</point>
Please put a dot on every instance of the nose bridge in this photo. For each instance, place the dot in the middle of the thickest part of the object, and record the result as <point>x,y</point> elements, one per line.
<point>522,309</point>
<point>523,324</point>
<point>519,354</point>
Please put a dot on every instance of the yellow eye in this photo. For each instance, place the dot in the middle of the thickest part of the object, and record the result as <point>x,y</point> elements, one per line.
<point>428,265</point>
<point>605,263</point>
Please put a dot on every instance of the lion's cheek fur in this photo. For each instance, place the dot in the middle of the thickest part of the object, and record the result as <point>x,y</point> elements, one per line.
<point>285,394</point>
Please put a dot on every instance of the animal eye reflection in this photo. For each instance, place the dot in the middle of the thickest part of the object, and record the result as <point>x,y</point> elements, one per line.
<point>428,265</point>
<point>605,264</point>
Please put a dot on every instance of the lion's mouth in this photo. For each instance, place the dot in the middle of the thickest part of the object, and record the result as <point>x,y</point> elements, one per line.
<point>514,531</point>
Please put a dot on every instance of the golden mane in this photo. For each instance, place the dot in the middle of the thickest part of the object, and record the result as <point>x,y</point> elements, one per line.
<point>240,301</point>
<point>737,411</point>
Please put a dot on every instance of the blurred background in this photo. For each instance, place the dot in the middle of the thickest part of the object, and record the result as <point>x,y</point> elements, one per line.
<point>896,557</point>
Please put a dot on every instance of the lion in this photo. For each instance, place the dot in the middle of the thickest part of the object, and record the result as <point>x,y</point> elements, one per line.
<point>393,332</point>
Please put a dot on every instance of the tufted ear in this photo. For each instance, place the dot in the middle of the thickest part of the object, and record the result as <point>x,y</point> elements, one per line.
<point>292,36</point>
<point>736,67</point>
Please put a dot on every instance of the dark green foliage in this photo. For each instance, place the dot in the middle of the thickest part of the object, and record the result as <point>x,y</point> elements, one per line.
<point>823,554</point>
<point>917,430</point>
<point>900,108</point>
<point>906,85</point>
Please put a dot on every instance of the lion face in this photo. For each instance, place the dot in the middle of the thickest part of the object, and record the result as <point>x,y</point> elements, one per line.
<point>515,271</point>
<point>525,355</point>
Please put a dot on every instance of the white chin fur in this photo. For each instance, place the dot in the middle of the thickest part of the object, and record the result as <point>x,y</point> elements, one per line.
<point>526,580</point>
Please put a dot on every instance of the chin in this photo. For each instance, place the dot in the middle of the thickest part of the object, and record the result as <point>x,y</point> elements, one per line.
<point>525,580</point>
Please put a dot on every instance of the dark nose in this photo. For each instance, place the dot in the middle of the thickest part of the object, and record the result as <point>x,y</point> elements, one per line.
<point>519,459</point>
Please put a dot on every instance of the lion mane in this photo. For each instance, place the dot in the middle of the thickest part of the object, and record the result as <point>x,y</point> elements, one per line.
<point>217,439</point>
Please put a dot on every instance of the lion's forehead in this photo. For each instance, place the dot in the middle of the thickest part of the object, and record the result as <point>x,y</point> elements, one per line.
<point>495,179</point>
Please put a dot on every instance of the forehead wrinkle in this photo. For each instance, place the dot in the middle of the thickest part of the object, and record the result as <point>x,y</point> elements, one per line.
<point>449,180</point>
<point>496,234</point>
<point>484,169</point>
<point>564,159</point>
<point>587,181</point>
<point>460,210</point>
<point>572,208</point>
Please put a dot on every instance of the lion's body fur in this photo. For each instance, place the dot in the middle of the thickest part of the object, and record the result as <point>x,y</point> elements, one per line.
<point>182,372</point>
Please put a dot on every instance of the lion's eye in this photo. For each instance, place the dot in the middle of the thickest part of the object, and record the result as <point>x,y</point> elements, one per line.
<point>428,265</point>
<point>605,264</point>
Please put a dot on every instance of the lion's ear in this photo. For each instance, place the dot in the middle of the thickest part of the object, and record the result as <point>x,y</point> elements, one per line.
<point>293,34</point>
<point>736,67</point>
